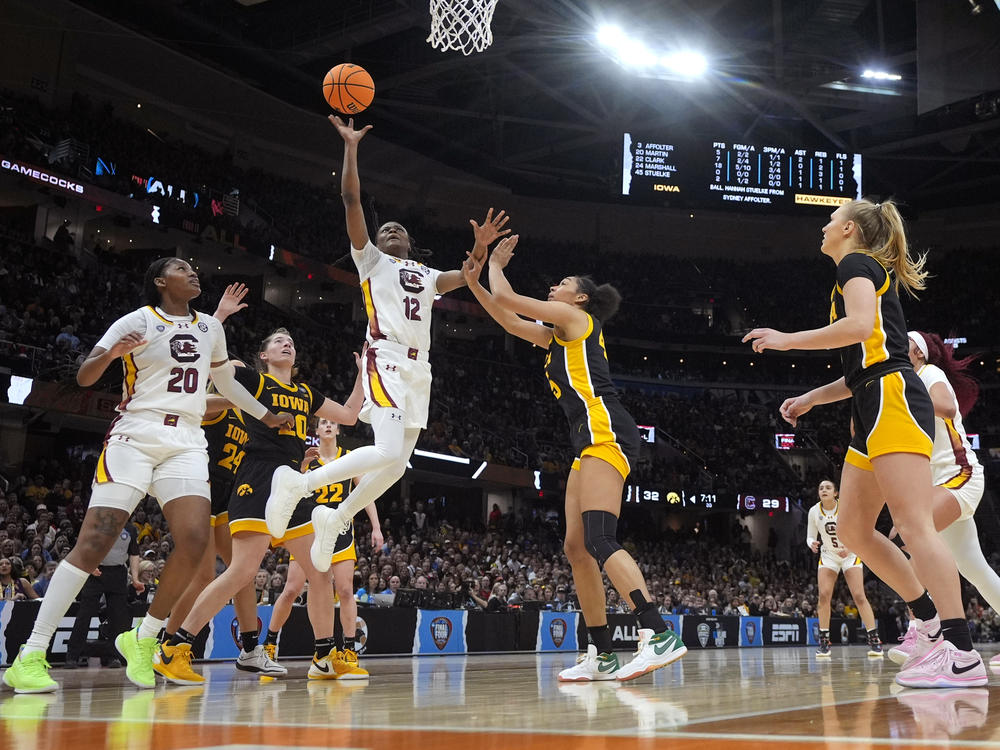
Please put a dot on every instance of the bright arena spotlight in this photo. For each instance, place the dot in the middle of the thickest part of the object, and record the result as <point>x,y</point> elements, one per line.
<point>635,54</point>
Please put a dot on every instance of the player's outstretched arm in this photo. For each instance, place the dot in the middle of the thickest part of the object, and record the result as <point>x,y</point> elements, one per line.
<point>231,301</point>
<point>99,358</point>
<point>560,314</point>
<point>347,412</point>
<point>491,229</point>
<point>514,325</point>
<point>350,181</point>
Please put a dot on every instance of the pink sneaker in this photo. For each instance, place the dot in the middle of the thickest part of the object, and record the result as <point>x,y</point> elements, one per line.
<point>942,667</point>
<point>995,663</point>
<point>919,639</point>
<point>947,711</point>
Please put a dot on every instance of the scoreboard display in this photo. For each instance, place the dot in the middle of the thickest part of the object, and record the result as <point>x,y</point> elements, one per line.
<point>717,174</point>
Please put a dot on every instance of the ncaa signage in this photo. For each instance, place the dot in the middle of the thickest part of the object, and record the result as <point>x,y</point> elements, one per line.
<point>700,631</point>
<point>440,632</point>
<point>751,632</point>
<point>557,631</point>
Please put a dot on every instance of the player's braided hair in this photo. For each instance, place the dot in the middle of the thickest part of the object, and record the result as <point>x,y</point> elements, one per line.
<point>602,301</point>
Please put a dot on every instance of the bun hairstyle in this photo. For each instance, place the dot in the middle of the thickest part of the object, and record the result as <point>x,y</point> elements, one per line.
<point>602,301</point>
<point>150,291</point>
<point>883,234</point>
<point>942,355</point>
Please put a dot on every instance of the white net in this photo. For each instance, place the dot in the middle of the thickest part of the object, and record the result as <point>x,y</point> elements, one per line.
<point>461,25</point>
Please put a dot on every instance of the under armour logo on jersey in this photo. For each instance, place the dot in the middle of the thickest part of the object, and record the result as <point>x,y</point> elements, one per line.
<point>396,416</point>
<point>244,489</point>
<point>184,347</point>
<point>391,368</point>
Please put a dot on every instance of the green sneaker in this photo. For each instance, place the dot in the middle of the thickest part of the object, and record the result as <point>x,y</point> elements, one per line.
<point>655,650</point>
<point>30,674</point>
<point>592,667</point>
<point>138,655</point>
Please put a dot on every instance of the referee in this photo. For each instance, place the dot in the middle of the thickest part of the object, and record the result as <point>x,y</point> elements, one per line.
<point>110,579</point>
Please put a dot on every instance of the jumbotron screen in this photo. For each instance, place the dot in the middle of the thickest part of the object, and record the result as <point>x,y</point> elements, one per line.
<point>717,174</point>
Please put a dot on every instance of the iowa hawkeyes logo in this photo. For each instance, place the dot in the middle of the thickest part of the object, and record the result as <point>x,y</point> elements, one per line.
<point>184,347</point>
<point>244,489</point>
<point>410,280</point>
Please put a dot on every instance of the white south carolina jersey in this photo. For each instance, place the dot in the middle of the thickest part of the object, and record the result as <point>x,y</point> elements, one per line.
<point>399,295</point>
<point>168,373</point>
<point>823,526</point>
<point>953,462</point>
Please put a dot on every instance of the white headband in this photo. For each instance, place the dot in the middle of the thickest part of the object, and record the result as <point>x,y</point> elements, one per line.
<point>920,341</point>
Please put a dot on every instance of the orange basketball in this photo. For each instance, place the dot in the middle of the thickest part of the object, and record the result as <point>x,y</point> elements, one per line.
<point>348,88</point>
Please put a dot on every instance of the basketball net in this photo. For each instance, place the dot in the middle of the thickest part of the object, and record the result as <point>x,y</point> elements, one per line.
<point>461,25</point>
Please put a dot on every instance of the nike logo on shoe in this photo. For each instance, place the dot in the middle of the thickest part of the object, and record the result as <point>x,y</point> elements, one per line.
<point>607,666</point>
<point>962,670</point>
<point>321,667</point>
<point>662,649</point>
<point>164,659</point>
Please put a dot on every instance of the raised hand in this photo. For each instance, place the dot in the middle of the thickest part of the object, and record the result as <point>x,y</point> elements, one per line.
<point>232,301</point>
<point>488,231</point>
<point>126,344</point>
<point>311,455</point>
<point>504,251</point>
<point>472,268</point>
<point>347,131</point>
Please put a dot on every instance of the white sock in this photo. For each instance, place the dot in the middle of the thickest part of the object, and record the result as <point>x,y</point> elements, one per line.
<point>962,539</point>
<point>374,484</point>
<point>150,627</point>
<point>67,580</point>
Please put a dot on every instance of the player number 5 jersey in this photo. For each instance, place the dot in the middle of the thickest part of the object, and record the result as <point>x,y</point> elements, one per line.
<point>823,526</point>
<point>399,295</point>
<point>168,373</point>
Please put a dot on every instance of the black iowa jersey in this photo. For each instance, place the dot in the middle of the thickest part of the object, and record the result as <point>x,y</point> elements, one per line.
<point>335,493</point>
<point>227,437</point>
<point>886,349</point>
<point>287,444</point>
<point>578,370</point>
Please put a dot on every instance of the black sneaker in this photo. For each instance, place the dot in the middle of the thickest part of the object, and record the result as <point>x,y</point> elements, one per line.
<point>824,650</point>
<point>875,646</point>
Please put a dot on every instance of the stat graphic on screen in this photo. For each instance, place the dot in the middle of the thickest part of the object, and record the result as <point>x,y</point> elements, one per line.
<point>719,174</point>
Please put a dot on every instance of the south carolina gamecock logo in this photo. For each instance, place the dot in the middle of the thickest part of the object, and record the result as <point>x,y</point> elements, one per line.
<point>750,630</point>
<point>557,629</point>
<point>411,281</point>
<point>440,631</point>
<point>184,347</point>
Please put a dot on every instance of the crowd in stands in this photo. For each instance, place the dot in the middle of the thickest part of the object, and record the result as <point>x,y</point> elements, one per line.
<point>502,563</point>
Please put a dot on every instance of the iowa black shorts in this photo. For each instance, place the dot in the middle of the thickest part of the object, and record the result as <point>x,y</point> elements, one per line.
<point>891,414</point>
<point>249,497</point>
<point>607,431</point>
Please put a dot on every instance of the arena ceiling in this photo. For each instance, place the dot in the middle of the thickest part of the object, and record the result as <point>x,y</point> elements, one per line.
<point>543,109</point>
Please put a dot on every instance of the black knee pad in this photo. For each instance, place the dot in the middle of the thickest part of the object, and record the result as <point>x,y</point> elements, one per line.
<point>600,534</point>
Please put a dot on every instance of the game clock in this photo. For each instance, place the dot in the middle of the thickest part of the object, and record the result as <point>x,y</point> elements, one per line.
<point>638,494</point>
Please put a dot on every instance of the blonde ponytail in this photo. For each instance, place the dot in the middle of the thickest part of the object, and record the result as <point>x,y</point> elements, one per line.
<point>883,235</point>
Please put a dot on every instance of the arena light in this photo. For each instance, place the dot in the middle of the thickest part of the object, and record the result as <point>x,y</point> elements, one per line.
<point>611,36</point>
<point>441,456</point>
<point>686,63</point>
<point>635,54</point>
<point>482,467</point>
<point>881,75</point>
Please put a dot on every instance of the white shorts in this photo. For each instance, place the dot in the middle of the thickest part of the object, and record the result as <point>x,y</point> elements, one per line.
<point>970,493</point>
<point>838,564</point>
<point>144,453</point>
<point>397,378</point>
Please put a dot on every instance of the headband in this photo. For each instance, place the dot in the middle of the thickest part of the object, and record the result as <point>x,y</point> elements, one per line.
<point>920,341</point>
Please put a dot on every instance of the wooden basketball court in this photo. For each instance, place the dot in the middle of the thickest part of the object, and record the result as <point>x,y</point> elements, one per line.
<point>778,697</point>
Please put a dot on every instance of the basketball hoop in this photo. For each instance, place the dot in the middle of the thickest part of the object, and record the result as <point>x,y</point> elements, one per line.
<point>461,25</point>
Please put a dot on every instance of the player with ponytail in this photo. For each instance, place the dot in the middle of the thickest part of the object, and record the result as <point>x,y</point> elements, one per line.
<point>888,461</point>
<point>606,441</point>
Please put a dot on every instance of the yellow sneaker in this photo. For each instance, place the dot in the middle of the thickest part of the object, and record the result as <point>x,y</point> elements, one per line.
<point>174,663</point>
<point>271,649</point>
<point>345,664</point>
<point>322,666</point>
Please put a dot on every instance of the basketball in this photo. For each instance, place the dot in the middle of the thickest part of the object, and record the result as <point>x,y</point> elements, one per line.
<point>348,88</point>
